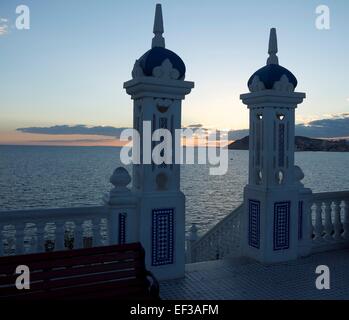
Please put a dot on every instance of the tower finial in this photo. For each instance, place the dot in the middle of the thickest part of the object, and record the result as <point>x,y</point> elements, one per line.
<point>273,47</point>
<point>158,40</point>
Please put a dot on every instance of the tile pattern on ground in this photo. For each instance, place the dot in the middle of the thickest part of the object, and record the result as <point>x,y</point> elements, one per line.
<point>245,279</point>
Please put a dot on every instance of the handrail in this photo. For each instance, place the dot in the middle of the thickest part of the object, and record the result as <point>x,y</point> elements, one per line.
<point>220,241</point>
<point>9,217</point>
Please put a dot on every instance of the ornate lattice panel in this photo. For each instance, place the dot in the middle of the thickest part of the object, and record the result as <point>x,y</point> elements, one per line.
<point>162,236</point>
<point>282,225</point>
<point>254,223</point>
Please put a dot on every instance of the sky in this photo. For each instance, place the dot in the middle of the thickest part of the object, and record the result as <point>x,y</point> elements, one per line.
<point>69,67</point>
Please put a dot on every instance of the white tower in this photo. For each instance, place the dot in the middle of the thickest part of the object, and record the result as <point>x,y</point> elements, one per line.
<point>272,196</point>
<point>157,89</point>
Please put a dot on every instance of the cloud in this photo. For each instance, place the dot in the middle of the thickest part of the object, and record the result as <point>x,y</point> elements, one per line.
<point>77,130</point>
<point>334,126</point>
<point>3,30</point>
<point>195,126</point>
<point>75,141</point>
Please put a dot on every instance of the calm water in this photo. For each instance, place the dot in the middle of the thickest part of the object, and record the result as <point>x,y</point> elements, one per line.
<point>46,177</point>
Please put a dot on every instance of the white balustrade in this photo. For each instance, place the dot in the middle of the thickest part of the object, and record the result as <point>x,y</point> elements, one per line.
<point>329,227</point>
<point>38,230</point>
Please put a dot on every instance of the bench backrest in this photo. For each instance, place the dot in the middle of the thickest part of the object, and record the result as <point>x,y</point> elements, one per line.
<point>112,271</point>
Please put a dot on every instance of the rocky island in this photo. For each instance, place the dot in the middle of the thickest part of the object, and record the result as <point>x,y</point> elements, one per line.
<point>302,144</point>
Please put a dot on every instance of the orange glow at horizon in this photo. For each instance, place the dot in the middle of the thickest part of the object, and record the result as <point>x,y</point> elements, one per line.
<point>19,138</point>
<point>30,139</point>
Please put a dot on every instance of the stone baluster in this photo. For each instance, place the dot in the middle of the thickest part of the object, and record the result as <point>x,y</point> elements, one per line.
<point>96,232</point>
<point>40,233</point>
<point>78,235</point>
<point>345,213</point>
<point>335,208</point>
<point>59,236</point>
<point>311,228</point>
<point>318,222</point>
<point>20,238</point>
<point>326,210</point>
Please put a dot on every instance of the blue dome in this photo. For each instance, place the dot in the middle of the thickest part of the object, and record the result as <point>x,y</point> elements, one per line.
<point>272,73</point>
<point>156,56</point>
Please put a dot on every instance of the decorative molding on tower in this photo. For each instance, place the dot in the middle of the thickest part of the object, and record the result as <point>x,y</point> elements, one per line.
<point>256,85</point>
<point>158,40</point>
<point>284,85</point>
<point>166,71</point>
<point>137,71</point>
<point>273,48</point>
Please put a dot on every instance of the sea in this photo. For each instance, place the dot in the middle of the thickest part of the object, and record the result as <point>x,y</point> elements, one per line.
<point>33,177</point>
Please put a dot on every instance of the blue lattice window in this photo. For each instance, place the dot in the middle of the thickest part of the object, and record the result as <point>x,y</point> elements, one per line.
<point>281,145</point>
<point>122,228</point>
<point>163,123</point>
<point>282,225</point>
<point>162,236</point>
<point>254,223</point>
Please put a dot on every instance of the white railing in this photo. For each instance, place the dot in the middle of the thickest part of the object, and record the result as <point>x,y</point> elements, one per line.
<point>329,221</point>
<point>325,227</point>
<point>221,241</point>
<point>32,231</point>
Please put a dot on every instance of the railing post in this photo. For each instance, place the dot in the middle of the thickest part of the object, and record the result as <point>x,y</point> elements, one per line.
<point>59,236</point>
<point>311,230</point>
<point>78,235</point>
<point>96,229</point>
<point>40,236</point>
<point>326,209</point>
<point>192,238</point>
<point>318,222</point>
<point>305,223</point>
<point>337,221</point>
<point>121,201</point>
<point>19,238</point>
<point>345,213</point>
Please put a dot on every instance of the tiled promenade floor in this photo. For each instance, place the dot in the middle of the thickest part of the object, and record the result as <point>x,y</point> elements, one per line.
<point>246,279</point>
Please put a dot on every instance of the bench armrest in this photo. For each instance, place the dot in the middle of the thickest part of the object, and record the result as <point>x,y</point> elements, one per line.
<point>154,288</point>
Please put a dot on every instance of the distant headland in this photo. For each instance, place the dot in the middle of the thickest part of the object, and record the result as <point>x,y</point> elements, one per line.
<point>302,144</point>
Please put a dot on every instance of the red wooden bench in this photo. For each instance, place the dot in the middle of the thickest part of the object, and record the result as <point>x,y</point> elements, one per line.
<point>111,272</point>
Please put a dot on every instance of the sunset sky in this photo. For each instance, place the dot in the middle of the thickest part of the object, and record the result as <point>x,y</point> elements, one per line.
<point>69,68</point>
